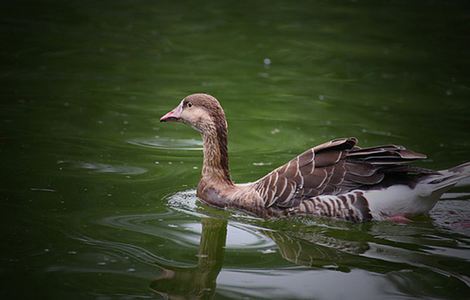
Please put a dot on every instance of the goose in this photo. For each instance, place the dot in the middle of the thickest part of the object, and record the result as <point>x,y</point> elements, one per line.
<point>336,179</point>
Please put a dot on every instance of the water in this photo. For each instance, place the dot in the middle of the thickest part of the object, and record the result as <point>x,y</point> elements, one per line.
<point>97,197</point>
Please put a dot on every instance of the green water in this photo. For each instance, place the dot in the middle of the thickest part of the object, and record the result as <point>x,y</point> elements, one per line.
<point>97,197</point>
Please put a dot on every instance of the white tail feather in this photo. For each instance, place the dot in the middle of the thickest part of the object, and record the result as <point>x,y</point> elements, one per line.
<point>459,175</point>
<point>464,169</point>
<point>402,199</point>
<point>445,180</point>
<point>441,184</point>
<point>463,182</point>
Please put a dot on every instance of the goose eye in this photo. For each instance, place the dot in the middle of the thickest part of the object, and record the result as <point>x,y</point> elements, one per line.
<point>190,104</point>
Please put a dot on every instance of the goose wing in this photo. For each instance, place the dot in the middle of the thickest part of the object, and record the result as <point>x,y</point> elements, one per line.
<point>335,167</point>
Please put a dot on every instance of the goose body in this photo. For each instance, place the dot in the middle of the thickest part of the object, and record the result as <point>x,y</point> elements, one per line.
<point>336,179</point>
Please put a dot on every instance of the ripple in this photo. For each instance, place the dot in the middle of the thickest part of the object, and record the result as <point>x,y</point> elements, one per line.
<point>168,226</point>
<point>242,236</point>
<point>103,168</point>
<point>187,202</point>
<point>186,232</point>
<point>127,250</point>
<point>453,215</point>
<point>171,226</point>
<point>329,244</point>
<point>184,200</point>
<point>42,190</point>
<point>168,143</point>
<point>296,283</point>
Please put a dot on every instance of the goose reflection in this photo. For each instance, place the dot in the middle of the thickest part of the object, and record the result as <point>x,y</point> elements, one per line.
<point>306,249</point>
<point>316,250</point>
<point>198,281</point>
<point>378,248</point>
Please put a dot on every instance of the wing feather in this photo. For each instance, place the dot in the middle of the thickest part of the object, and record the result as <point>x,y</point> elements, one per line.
<point>332,168</point>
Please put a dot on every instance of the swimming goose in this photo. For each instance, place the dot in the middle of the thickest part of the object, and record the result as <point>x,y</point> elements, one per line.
<point>336,179</point>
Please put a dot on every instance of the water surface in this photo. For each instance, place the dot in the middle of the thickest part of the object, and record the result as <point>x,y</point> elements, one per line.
<point>97,197</point>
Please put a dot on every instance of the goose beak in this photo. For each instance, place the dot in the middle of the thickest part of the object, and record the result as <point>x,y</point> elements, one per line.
<point>174,115</point>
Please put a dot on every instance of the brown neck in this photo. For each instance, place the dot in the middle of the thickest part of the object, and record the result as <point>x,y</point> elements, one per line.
<point>215,165</point>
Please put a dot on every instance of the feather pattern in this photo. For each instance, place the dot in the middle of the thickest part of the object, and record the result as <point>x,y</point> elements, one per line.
<point>351,206</point>
<point>332,168</point>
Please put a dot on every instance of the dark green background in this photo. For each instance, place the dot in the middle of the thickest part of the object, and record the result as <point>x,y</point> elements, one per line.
<point>97,197</point>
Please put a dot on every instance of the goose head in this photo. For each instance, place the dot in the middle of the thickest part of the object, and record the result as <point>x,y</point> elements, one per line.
<point>201,111</point>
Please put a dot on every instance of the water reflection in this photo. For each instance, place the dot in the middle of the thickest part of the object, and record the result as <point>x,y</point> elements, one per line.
<point>400,266</point>
<point>198,281</point>
<point>192,251</point>
<point>316,250</point>
<point>399,253</point>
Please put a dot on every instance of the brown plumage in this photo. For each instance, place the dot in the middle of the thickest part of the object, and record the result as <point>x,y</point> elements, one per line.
<point>329,180</point>
<point>333,168</point>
